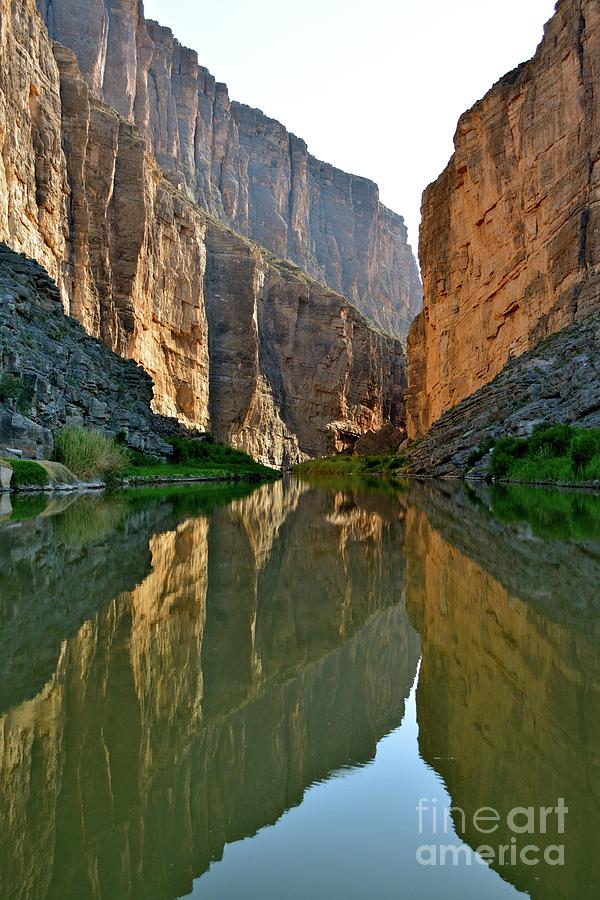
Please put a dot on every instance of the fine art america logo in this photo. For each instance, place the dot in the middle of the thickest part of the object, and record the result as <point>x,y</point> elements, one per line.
<point>526,824</point>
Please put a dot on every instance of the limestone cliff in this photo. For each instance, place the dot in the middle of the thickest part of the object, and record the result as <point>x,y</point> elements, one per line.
<point>241,166</point>
<point>289,368</point>
<point>510,240</point>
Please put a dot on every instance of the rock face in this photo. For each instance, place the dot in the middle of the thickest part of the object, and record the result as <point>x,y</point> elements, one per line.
<point>266,322</point>
<point>53,374</point>
<point>241,166</point>
<point>289,369</point>
<point>557,381</point>
<point>510,238</point>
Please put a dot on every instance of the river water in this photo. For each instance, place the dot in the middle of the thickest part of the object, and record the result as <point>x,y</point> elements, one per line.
<point>328,690</point>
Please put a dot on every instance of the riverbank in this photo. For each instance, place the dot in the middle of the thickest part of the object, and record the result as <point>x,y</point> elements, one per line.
<point>31,476</point>
<point>561,456</point>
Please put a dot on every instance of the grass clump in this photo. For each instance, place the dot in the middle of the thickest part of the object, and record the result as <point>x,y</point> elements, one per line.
<point>90,454</point>
<point>553,454</point>
<point>26,473</point>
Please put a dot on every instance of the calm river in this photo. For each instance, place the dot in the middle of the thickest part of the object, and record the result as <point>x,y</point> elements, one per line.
<point>304,691</point>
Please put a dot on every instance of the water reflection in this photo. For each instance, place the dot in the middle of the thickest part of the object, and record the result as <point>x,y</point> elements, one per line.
<point>178,667</point>
<point>264,645</point>
<point>509,693</point>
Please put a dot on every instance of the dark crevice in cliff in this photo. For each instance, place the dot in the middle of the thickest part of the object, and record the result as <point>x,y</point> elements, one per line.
<point>580,44</point>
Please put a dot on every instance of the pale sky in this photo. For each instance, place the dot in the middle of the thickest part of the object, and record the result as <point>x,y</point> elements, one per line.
<point>374,87</point>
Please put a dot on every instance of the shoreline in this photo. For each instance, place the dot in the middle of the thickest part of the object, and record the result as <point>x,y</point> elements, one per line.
<point>588,486</point>
<point>135,481</point>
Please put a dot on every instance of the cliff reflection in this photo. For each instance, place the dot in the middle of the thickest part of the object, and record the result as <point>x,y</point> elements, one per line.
<point>177,668</point>
<point>509,692</point>
<point>212,663</point>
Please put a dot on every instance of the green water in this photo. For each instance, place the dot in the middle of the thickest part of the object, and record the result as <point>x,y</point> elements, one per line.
<point>249,692</point>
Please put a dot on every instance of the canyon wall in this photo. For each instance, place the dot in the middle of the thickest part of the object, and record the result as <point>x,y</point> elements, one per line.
<point>239,165</point>
<point>510,235</point>
<point>289,370</point>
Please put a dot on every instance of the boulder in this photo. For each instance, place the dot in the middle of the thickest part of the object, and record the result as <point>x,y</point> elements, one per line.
<point>5,477</point>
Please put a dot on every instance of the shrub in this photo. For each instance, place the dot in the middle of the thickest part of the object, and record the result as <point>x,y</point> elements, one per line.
<point>550,469</point>
<point>506,451</point>
<point>90,453</point>
<point>592,470</point>
<point>584,446</point>
<point>190,451</point>
<point>553,440</point>
<point>553,453</point>
<point>27,473</point>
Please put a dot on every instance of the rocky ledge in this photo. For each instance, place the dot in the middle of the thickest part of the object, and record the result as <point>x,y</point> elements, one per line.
<point>558,381</point>
<point>53,374</point>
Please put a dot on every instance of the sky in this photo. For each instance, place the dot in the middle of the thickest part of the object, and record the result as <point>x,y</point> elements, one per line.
<point>374,87</point>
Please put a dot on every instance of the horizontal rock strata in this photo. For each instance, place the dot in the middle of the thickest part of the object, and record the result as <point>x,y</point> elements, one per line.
<point>53,374</point>
<point>558,381</point>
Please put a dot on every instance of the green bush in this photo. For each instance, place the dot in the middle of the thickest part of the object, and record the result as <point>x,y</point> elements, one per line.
<point>583,447</point>
<point>90,454</point>
<point>592,470</point>
<point>553,453</point>
<point>550,469</point>
<point>190,451</point>
<point>553,440</point>
<point>27,473</point>
<point>343,464</point>
<point>506,451</point>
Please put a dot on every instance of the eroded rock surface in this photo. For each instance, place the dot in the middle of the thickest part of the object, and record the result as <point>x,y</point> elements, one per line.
<point>241,166</point>
<point>510,238</point>
<point>290,368</point>
<point>557,381</point>
<point>53,374</point>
